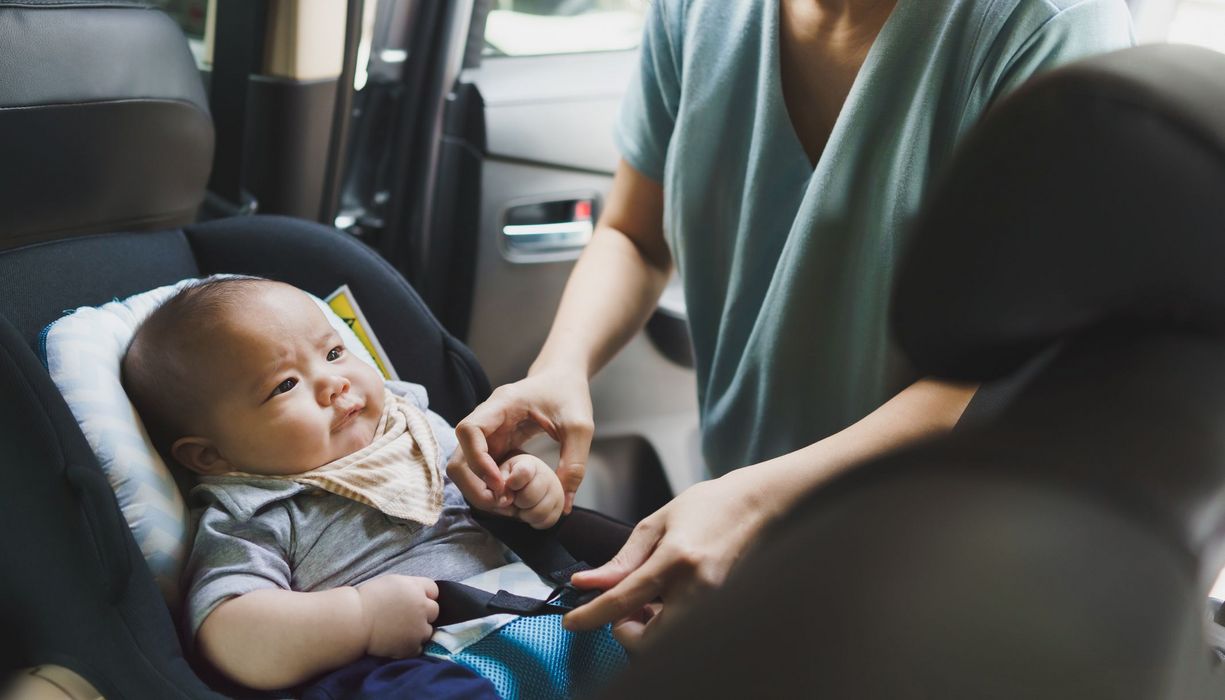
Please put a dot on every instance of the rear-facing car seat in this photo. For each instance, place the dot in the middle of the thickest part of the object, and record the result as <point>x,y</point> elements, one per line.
<point>105,148</point>
<point>1064,545</point>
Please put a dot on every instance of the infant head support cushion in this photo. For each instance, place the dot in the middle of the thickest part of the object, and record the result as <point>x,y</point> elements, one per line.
<point>83,351</point>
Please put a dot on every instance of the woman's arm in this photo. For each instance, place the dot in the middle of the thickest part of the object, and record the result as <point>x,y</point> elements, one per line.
<point>924,409</point>
<point>691,543</point>
<point>617,281</point>
<point>610,294</point>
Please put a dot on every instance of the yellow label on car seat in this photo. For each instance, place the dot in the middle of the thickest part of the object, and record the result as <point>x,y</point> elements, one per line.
<point>345,305</point>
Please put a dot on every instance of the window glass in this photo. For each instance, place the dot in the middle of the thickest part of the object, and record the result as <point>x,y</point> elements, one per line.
<point>542,27</point>
<point>1199,22</point>
<point>193,17</point>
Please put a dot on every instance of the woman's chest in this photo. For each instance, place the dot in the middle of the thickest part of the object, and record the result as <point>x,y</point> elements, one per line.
<point>819,61</point>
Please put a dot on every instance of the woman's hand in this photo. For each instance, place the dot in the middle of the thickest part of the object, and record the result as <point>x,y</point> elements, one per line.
<point>691,543</point>
<point>681,550</point>
<point>557,402</point>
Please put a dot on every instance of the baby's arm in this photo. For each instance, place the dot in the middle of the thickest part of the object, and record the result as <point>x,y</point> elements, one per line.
<point>537,491</point>
<point>274,638</point>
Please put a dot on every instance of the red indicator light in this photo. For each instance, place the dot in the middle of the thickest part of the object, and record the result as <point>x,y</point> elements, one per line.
<point>582,210</point>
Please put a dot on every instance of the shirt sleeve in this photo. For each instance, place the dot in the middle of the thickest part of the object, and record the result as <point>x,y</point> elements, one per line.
<point>649,108</point>
<point>1080,30</point>
<point>233,556</point>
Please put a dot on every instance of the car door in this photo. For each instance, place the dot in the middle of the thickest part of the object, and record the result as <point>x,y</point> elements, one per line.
<point>497,173</point>
<point>551,78</point>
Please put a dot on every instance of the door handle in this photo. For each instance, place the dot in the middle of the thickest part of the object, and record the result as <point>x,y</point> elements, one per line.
<point>550,230</point>
<point>552,238</point>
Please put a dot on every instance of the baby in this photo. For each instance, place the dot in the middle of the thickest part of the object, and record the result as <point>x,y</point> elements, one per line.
<point>325,516</point>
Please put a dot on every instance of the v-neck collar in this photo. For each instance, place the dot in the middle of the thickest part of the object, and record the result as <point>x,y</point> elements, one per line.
<point>845,119</point>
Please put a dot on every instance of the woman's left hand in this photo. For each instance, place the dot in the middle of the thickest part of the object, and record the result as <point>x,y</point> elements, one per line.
<point>681,550</point>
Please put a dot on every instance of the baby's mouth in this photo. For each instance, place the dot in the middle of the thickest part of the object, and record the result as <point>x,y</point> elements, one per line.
<point>348,417</point>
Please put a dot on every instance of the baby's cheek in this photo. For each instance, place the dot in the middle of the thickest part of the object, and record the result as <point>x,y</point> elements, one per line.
<point>372,382</point>
<point>303,456</point>
<point>304,448</point>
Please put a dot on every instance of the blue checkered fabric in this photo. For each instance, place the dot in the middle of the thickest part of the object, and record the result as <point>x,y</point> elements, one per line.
<point>534,658</point>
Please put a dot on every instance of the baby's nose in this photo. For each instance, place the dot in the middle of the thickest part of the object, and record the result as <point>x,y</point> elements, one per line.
<point>331,388</point>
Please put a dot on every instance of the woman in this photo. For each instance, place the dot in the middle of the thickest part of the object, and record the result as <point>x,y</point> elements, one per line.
<point>773,151</point>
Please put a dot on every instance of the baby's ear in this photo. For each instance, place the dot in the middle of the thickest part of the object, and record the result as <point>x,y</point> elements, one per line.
<point>199,455</point>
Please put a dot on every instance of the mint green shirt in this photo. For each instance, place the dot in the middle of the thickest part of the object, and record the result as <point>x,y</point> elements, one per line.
<point>786,268</point>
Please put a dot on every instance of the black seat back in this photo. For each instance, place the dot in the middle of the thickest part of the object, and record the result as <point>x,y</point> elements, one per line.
<point>106,126</point>
<point>112,140</point>
<point>1065,547</point>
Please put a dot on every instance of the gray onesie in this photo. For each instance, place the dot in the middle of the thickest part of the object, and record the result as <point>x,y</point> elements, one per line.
<point>268,533</point>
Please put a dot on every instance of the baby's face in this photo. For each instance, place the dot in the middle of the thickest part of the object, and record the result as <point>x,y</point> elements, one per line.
<point>286,395</point>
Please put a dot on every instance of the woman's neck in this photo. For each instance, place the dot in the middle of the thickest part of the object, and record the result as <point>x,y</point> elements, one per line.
<point>840,15</point>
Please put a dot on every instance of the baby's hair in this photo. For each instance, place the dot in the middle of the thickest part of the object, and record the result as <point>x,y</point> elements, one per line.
<point>158,372</point>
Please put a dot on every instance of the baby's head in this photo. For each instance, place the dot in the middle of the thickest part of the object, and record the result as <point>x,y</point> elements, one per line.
<point>244,374</point>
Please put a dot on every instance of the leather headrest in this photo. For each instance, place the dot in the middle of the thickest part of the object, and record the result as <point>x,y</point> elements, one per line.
<point>104,123</point>
<point>1093,196</point>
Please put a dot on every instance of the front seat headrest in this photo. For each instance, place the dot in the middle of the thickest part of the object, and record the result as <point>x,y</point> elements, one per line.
<point>1093,197</point>
<point>104,123</point>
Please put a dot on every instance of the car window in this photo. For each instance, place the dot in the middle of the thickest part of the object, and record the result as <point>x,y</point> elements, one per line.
<point>1199,22</point>
<point>193,16</point>
<point>543,27</point>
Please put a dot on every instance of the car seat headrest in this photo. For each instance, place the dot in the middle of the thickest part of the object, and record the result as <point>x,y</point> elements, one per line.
<point>1094,196</point>
<point>104,123</point>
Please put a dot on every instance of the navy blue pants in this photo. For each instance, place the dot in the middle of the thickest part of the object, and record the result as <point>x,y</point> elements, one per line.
<point>420,678</point>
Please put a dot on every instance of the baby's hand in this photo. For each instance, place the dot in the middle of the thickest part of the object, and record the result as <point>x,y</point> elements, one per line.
<point>536,490</point>
<point>397,611</point>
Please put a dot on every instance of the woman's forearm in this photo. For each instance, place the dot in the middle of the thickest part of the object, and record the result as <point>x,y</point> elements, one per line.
<point>609,297</point>
<point>692,542</point>
<point>617,281</point>
<point>924,409</point>
<point>273,638</point>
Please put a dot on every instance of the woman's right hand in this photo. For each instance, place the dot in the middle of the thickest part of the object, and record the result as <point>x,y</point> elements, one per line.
<point>680,551</point>
<point>553,401</point>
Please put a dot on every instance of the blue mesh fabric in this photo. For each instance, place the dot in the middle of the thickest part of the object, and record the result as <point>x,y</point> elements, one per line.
<point>534,658</point>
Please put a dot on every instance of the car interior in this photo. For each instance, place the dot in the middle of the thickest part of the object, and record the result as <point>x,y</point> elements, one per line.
<point>1066,541</point>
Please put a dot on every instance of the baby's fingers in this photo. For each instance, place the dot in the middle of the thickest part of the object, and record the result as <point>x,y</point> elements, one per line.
<point>546,512</point>
<point>519,474</point>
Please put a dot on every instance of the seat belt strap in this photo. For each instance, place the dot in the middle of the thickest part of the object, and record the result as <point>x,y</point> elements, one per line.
<point>458,602</point>
<point>543,552</point>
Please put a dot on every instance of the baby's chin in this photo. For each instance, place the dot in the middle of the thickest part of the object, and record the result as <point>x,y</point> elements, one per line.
<point>339,450</point>
<point>359,438</point>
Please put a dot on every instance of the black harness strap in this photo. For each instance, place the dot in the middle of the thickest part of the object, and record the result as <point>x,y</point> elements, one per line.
<point>459,603</point>
<point>544,553</point>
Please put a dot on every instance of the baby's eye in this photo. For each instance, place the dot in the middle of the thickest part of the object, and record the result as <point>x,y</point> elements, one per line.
<point>336,353</point>
<point>284,387</point>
